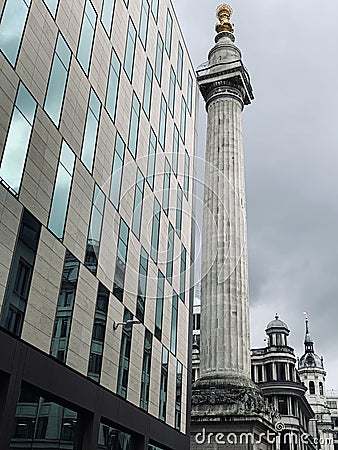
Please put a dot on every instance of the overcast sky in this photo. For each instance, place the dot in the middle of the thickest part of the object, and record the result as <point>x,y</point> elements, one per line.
<point>291,157</point>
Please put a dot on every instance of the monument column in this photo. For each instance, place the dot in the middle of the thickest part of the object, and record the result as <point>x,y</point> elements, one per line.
<point>225,397</point>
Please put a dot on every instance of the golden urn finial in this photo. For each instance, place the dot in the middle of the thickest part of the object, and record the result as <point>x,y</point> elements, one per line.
<point>223,13</point>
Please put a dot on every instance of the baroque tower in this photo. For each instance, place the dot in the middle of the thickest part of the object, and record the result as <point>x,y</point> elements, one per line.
<point>225,392</point>
<point>312,374</point>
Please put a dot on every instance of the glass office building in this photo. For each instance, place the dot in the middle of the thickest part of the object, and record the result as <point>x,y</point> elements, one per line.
<point>97,138</point>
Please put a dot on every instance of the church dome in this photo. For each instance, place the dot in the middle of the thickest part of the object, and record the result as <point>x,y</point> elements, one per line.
<point>277,326</point>
<point>310,360</point>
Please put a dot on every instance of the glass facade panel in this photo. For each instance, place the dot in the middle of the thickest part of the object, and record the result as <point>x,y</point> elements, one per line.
<point>159,305</point>
<point>113,85</point>
<point>123,374</point>
<point>52,5</point>
<point>178,403</point>
<point>99,332</point>
<point>94,233</point>
<point>138,204</point>
<point>179,65</point>
<point>146,367</point>
<point>121,260</point>
<point>168,33</point>
<point>183,119</point>
<point>16,147</point>
<point>172,88</point>
<point>174,320</point>
<point>42,423</point>
<point>58,212</point>
<point>12,26</point>
<point>183,272</point>
<point>164,385</point>
<point>90,133</point>
<point>176,146</point>
<point>151,159</point>
<point>57,80</point>
<point>170,252</point>
<point>179,210</point>
<point>163,123</point>
<point>166,187</point>
<point>142,285</point>
<point>143,30</point>
<point>148,83</point>
<point>84,51</point>
<point>65,306</point>
<point>107,15</point>
<point>130,50</point>
<point>154,8</point>
<point>155,232</point>
<point>159,58</point>
<point>116,179</point>
<point>20,275</point>
<point>189,92</point>
<point>111,438</point>
<point>186,174</point>
<point>134,125</point>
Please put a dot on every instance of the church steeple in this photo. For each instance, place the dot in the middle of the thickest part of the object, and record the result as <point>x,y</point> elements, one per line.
<point>308,342</point>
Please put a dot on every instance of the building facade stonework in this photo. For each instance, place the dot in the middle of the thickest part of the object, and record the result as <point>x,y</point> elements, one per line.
<point>97,141</point>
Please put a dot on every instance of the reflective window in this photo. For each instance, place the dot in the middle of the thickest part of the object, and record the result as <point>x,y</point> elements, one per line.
<point>179,65</point>
<point>146,367</point>
<point>189,92</point>
<point>122,379</point>
<point>151,159</point>
<point>113,85</point>
<point>20,275</point>
<point>57,80</point>
<point>155,232</point>
<point>176,144</point>
<point>107,15</point>
<point>186,174</point>
<point>84,51</point>
<point>168,33</point>
<point>174,320</point>
<point>142,285</point>
<point>111,438</point>
<point>121,260</point>
<point>43,423</point>
<point>94,233</point>
<point>159,305</point>
<point>163,123</point>
<point>170,252</point>
<point>172,87</point>
<point>126,2</point>
<point>12,26</point>
<point>143,30</point>
<point>116,178</point>
<point>183,119</point>
<point>138,204</point>
<point>19,132</point>
<point>178,403</point>
<point>65,306</point>
<point>52,6</point>
<point>166,187</point>
<point>133,126</point>
<point>154,8</point>
<point>179,210</point>
<point>130,50</point>
<point>148,83</point>
<point>183,272</point>
<point>159,58</point>
<point>99,332</point>
<point>90,133</point>
<point>164,384</point>
<point>64,177</point>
